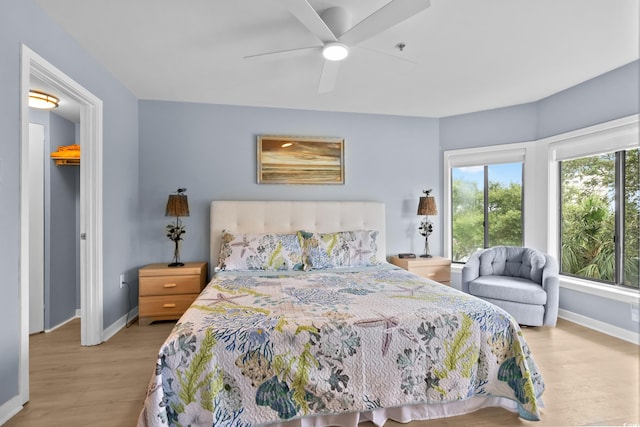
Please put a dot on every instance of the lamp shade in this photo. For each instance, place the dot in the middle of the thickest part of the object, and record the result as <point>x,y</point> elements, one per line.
<point>177,205</point>
<point>427,206</point>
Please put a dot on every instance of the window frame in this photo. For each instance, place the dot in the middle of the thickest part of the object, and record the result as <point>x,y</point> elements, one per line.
<point>619,170</point>
<point>617,135</point>
<point>480,156</point>
<point>486,202</point>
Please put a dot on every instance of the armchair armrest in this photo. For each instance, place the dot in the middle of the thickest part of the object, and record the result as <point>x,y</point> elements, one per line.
<point>551,285</point>
<point>470,271</point>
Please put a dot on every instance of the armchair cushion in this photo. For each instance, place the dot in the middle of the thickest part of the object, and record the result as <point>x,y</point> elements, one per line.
<point>507,288</point>
<point>514,262</point>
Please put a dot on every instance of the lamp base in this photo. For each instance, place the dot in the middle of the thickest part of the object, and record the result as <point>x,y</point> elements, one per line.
<point>426,256</point>
<point>176,264</point>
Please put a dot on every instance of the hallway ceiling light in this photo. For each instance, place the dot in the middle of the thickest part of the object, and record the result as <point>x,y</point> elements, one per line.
<point>42,100</point>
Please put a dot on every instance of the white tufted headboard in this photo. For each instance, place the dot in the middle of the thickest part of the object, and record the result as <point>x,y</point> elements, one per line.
<point>291,216</point>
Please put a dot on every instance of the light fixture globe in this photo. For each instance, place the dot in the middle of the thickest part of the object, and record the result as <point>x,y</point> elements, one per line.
<point>335,51</point>
<point>42,101</point>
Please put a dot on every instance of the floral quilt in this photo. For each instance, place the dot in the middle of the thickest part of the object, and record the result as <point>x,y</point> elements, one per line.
<point>262,347</point>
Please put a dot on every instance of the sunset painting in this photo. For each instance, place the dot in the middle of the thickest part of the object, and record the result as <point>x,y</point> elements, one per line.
<point>300,160</point>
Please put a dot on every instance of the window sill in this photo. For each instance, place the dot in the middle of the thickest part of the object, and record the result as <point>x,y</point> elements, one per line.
<point>606,291</point>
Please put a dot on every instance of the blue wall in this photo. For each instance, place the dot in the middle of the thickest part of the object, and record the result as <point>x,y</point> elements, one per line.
<point>607,97</point>
<point>491,127</point>
<point>211,150</point>
<point>23,22</point>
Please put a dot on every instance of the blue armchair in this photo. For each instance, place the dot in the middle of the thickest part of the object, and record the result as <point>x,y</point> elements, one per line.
<point>522,281</point>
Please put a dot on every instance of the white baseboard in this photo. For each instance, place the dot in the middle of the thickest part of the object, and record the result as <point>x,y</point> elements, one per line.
<point>605,328</point>
<point>118,324</point>
<point>110,331</point>
<point>64,322</point>
<point>9,409</point>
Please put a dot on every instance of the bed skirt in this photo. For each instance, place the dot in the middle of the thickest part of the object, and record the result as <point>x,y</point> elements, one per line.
<point>402,414</point>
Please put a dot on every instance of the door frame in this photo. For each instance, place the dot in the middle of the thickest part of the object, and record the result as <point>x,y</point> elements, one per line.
<point>36,227</point>
<point>91,186</point>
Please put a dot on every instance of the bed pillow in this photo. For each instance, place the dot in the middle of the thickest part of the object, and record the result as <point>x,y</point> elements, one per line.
<point>242,251</point>
<point>339,249</point>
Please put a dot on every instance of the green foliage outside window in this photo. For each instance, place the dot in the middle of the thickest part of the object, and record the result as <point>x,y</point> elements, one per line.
<point>588,217</point>
<point>632,219</point>
<point>468,217</point>
<point>504,214</point>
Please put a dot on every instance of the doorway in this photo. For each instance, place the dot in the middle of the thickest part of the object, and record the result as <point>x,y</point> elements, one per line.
<point>54,215</point>
<point>91,257</point>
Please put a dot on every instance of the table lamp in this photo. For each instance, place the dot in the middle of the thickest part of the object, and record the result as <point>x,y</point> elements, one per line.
<point>177,205</point>
<point>426,207</point>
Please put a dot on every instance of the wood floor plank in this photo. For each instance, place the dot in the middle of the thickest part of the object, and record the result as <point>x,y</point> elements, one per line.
<point>591,379</point>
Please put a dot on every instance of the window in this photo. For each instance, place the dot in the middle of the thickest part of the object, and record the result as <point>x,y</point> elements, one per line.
<point>599,212</point>
<point>486,207</point>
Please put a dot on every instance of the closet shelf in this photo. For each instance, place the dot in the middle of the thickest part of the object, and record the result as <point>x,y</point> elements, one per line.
<point>67,162</point>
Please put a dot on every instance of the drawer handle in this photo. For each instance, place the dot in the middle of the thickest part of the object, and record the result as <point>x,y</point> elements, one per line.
<point>168,306</point>
<point>169,285</point>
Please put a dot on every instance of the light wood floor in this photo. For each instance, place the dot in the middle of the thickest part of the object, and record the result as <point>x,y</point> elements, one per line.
<point>591,378</point>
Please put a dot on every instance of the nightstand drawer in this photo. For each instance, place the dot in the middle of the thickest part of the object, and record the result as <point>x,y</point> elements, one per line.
<point>434,268</point>
<point>169,307</point>
<point>439,273</point>
<point>169,285</point>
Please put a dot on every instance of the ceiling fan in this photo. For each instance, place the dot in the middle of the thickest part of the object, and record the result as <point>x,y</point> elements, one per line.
<point>332,28</point>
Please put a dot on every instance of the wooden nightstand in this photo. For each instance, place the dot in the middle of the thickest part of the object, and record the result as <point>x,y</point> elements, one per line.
<point>166,292</point>
<point>434,268</point>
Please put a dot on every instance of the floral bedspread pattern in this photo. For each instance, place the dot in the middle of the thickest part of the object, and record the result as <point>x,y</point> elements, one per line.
<point>261,348</point>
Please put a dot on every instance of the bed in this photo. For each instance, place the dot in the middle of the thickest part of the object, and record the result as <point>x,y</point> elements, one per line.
<point>334,335</point>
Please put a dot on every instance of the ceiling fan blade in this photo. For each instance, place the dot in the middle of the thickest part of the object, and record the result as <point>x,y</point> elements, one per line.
<point>329,76</point>
<point>384,18</point>
<point>289,53</point>
<point>307,15</point>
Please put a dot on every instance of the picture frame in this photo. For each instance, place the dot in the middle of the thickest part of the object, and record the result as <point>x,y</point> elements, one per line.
<point>300,160</point>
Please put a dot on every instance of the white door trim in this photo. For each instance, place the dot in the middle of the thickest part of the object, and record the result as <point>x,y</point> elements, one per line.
<point>91,255</point>
<point>36,227</point>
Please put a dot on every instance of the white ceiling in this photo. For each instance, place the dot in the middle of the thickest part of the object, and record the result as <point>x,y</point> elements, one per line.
<point>466,55</point>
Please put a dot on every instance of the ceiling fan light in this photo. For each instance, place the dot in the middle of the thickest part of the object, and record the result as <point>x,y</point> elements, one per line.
<point>42,100</point>
<point>335,51</point>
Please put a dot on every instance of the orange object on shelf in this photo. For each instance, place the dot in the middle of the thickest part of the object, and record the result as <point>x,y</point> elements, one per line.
<point>67,155</point>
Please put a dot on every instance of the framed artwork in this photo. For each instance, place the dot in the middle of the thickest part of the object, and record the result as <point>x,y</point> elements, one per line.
<point>300,160</point>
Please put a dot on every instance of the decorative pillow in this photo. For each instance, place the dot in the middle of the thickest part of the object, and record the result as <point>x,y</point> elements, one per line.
<point>259,252</point>
<point>340,249</point>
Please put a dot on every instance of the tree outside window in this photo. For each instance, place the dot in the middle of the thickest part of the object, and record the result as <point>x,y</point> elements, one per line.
<point>486,208</point>
<point>599,217</point>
